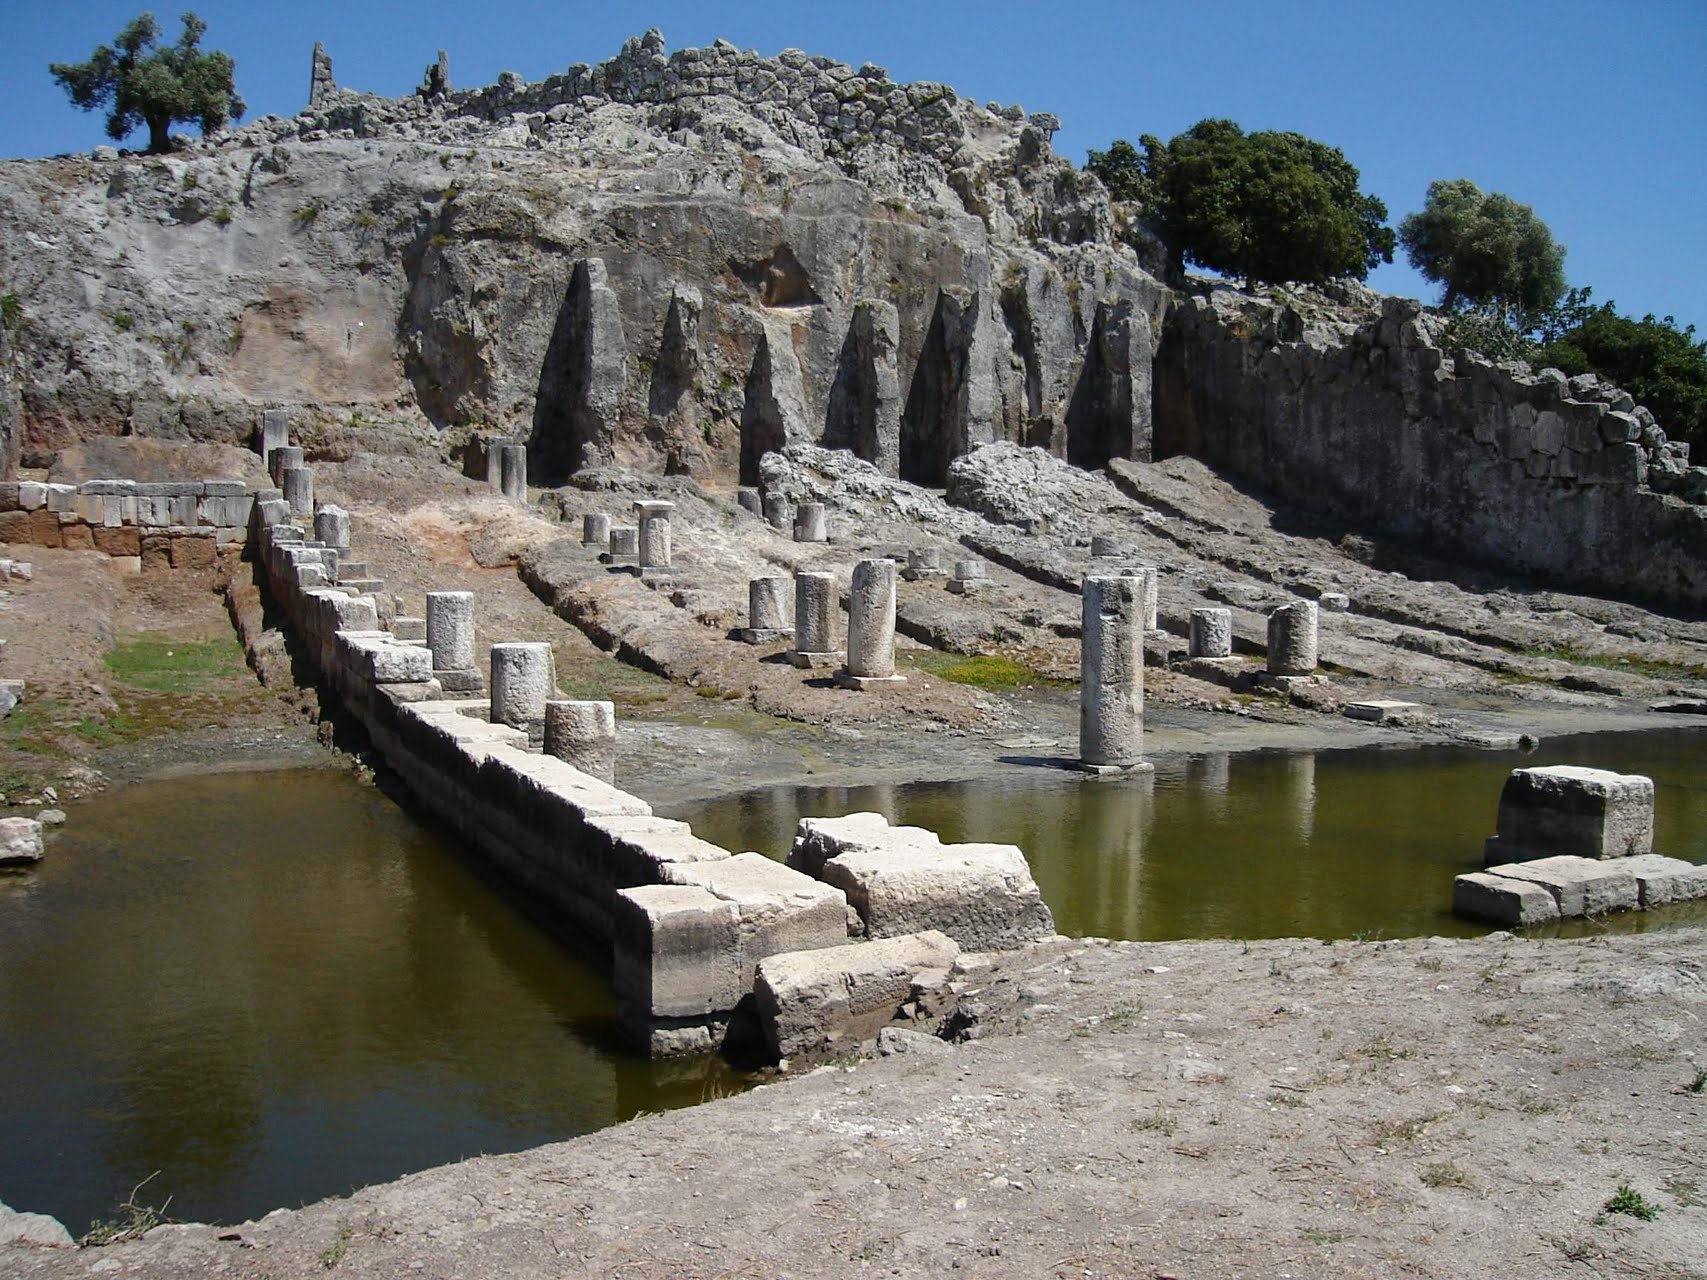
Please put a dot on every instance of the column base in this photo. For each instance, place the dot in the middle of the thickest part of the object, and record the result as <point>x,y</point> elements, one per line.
<point>1113,770</point>
<point>763,635</point>
<point>847,680</point>
<point>468,681</point>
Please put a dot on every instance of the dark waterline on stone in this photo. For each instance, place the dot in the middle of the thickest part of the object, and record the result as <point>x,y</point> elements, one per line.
<point>274,987</point>
<point>1335,844</point>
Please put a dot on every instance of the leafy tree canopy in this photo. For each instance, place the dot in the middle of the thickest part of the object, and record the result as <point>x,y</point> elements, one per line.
<point>1269,206</point>
<point>1484,249</point>
<point>1659,364</point>
<point>139,82</point>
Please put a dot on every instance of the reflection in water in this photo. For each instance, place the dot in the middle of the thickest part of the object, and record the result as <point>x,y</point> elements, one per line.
<point>275,987</point>
<point>1328,845</point>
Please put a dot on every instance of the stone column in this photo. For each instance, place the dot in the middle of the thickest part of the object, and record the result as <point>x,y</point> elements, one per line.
<point>1146,575</point>
<point>768,615</point>
<point>450,629</point>
<point>871,626</point>
<point>814,619</point>
<point>282,458</point>
<point>583,734</point>
<point>1292,639</point>
<point>776,510</point>
<point>595,530</point>
<point>514,460</point>
<point>332,526</point>
<point>298,486</point>
<point>274,434</point>
<point>1211,633</point>
<point>925,562</point>
<point>748,499</point>
<point>1111,689</point>
<point>1105,547</point>
<point>809,523</point>
<point>523,679</point>
<point>654,534</point>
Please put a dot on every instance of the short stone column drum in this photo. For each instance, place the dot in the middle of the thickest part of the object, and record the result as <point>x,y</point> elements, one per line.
<point>770,611</point>
<point>815,620</point>
<point>871,627</point>
<point>1292,630</point>
<point>524,678</point>
<point>1211,633</point>
<point>582,734</point>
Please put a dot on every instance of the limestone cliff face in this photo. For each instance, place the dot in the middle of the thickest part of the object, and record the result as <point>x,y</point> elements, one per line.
<point>1357,411</point>
<point>674,262</point>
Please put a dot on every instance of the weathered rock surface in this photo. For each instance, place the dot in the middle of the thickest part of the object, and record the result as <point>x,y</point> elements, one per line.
<point>20,841</point>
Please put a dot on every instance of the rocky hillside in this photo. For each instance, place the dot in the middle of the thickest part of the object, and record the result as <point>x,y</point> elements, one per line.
<point>644,261</point>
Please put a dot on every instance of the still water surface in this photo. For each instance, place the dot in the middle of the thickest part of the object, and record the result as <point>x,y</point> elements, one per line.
<point>1259,845</point>
<point>273,987</point>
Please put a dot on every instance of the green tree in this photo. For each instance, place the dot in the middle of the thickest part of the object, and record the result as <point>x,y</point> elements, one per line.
<point>1267,206</point>
<point>1659,364</point>
<point>139,82</point>
<point>1484,249</point>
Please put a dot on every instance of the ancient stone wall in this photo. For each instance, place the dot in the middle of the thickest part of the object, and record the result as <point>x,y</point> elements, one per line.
<point>1361,414</point>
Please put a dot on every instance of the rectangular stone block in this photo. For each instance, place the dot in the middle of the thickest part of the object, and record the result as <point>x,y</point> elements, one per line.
<point>119,542</point>
<point>842,996</point>
<point>1498,900</point>
<point>154,512</point>
<point>409,628</point>
<point>9,499</point>
<point>189,551</point>
<point>779,909</point>
<point>32,495</point>
<point>906,880</point>
<point>1564,809</point>
<point>225,488</point>
<point>637,849</point>
<point>675,951</point>
<point>1661,880</point>
<point>1581,886</point>
<point>61,497</point>
<point>380,661</point>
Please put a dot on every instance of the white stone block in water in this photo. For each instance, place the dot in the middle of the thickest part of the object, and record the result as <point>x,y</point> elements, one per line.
<point>20,841</point>
<point>1661,880</point>
<point>1581,886</point>
<point>779,908</point>
<point>675,951</point>
<point>1565,809</point>
<point>1498,900</point>
<point>523,679</point>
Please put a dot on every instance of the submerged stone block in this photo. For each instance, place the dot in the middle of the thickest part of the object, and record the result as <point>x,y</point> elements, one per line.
<point>1565,809</point>
<point>1660,880</point>
<point>1581,886</point>
<point>1499,900</point>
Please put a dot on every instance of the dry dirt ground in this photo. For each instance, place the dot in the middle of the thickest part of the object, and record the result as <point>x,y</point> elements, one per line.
<point>1425,1107</point>
<point>1193,1110</point>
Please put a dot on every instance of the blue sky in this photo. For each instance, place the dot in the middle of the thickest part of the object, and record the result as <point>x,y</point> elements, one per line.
<point>1594,113</point>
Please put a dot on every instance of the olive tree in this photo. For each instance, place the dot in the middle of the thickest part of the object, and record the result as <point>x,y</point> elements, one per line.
<point>140,82</point>
<point>1485,250</point>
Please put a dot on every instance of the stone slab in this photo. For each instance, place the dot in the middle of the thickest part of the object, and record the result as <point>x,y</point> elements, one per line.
<point>1500,900</point>
<point>20,841</point>
<point>828,661</point>
<point>866,684</point>
<point>1581,886</point>
<point>764,635</point>
<point>1661,880</point>
<point>1378,710</point>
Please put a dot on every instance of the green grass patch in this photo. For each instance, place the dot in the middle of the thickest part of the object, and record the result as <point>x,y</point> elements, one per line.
<point>1649,667</point>
<point>167,665</point>
<point>607,679</point>
<point>1627,1200</point>
<point>982,671</point>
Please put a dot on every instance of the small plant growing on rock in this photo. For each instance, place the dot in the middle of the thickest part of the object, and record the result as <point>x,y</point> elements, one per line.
<point>1699,1083</point>
<point>1627,1200</point>
<point>123,321</point>
<point>222,216</point>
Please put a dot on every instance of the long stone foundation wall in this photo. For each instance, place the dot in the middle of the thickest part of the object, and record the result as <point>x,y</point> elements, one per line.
<point>683,925</point>
<point>1567,480</point>
<point>168,522</point>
